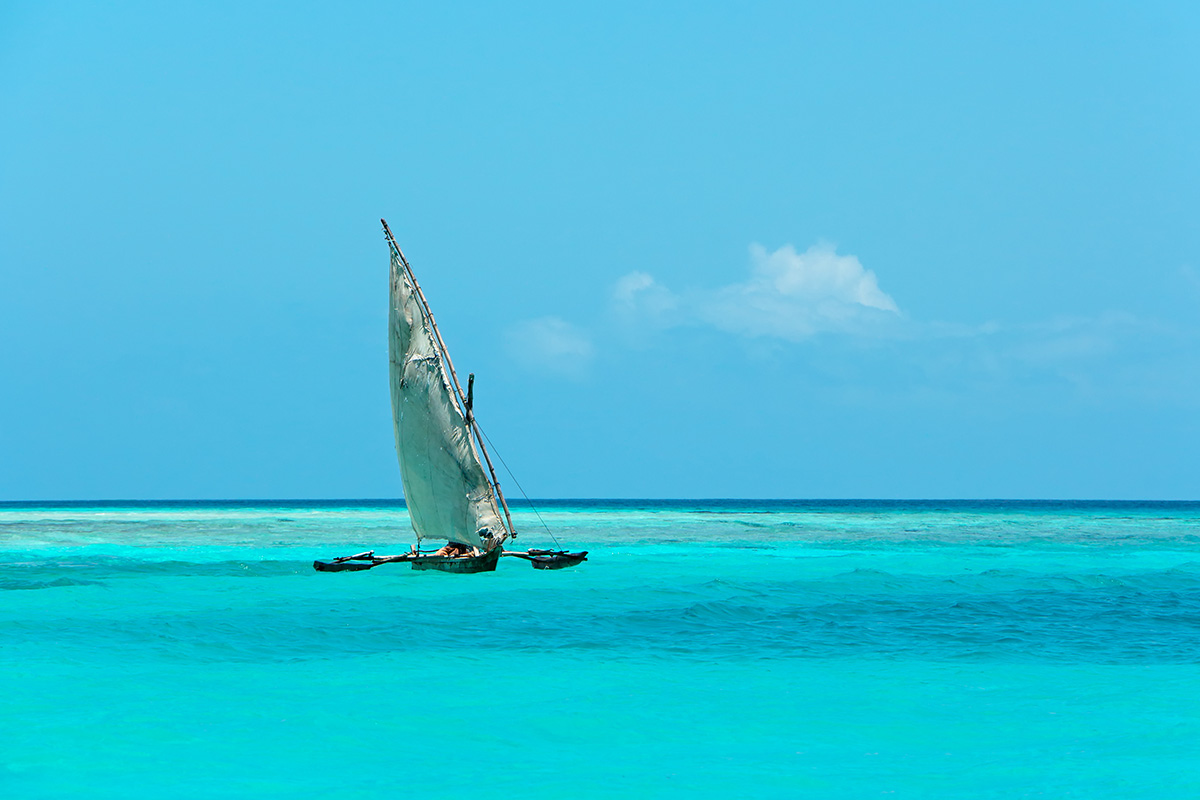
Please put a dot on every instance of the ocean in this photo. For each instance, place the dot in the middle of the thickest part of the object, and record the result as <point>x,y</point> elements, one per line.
<point>707,649</point>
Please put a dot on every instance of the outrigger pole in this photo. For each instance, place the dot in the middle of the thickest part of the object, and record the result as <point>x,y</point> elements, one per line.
<point>468,414</point>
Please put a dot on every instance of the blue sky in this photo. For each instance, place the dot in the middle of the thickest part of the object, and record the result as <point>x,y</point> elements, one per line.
<point>742,250</point>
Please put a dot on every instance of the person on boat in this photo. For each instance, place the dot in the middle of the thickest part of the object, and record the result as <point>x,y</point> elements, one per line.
<point>453,550</point>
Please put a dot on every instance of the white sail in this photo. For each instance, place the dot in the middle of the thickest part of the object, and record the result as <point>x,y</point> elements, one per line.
<point>445,488</point>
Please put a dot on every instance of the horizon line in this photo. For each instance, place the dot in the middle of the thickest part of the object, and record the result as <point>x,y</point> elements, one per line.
<point>527,501</point>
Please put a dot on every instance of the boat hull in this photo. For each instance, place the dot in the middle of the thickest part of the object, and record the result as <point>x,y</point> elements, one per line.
<point>462,564</point>
<point>558,560</point>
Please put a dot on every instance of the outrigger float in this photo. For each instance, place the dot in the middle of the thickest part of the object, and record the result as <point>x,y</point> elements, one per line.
<point>438,443</point>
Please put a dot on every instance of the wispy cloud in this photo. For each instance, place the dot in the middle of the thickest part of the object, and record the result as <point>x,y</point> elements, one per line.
<point>1191,278</point>
<point>638,292</point>
<point>1071,339</point>
<point>788,295</point>
<point>550,344</point>
<point>1110,355</point>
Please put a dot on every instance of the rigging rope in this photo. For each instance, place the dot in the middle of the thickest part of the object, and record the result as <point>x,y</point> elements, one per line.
<point>517,482</point>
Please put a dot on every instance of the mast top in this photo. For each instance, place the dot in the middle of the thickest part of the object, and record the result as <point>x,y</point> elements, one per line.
<point>391,240</point>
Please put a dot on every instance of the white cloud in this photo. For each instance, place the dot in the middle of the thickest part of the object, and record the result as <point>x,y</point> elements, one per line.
<point>640,287</point>
<point>550,344</point>
<point>640,299</point>
<point>816,275</point>
<point>789,295</point>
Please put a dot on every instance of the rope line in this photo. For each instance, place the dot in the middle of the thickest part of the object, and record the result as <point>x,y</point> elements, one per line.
<point>518,483</point>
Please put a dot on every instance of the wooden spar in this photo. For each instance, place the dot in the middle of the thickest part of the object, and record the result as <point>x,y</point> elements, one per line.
<point>359,562</point>
<point>467,414</point>
<point>356,557</point>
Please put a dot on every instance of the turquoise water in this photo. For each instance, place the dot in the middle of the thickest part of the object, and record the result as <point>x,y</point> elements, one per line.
<point>718,649</point>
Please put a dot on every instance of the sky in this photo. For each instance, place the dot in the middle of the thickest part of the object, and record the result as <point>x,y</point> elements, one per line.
<point>689,250</point>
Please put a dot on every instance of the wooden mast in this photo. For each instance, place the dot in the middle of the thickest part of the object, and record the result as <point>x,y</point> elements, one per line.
<point>467,412</point>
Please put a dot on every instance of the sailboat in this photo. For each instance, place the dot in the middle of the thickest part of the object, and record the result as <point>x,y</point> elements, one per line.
<point>449,494</point>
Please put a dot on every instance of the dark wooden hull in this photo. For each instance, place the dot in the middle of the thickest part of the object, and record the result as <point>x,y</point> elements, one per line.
<point>483,563</point>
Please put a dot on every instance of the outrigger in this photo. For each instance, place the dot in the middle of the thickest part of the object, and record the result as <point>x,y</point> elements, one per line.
<point>439,444</point>
<point>541,559</point>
